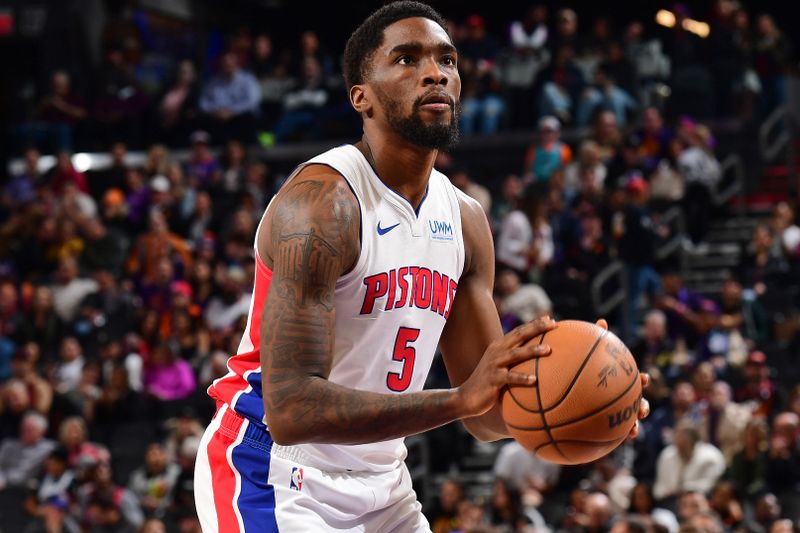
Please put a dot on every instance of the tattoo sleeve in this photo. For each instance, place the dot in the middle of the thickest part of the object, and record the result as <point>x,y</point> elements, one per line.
<point>314,240</point>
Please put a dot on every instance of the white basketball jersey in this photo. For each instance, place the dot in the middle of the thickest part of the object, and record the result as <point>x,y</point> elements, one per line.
<point>390,309</point>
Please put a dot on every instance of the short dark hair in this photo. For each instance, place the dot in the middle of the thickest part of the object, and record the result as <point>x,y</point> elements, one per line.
<point>369,35</point>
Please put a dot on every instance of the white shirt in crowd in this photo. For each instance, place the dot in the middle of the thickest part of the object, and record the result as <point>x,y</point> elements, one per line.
<point>700,473</point>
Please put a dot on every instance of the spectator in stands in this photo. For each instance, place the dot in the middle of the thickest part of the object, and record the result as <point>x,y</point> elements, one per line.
<point>742,313</point>
<point>481,98</point>
<point>25,367</point>
<point>701,172</point>
<point>525,239</point>
<point>786,230</point>
<point>561,84</point>
<point>654,139</point>
<point>588,171</point>
<point>118,404</point>
<point>167,377</point>
<point>748,466</point>
<point>303,107</point>
<point>772,53</point>
<point>74,438</point>
<point>156,244</point>
<point>57,116</point>
<point>529,35</point>
<point>520,302</point>
<point>685,310</point>
<point>21,188</point>
<point>566,30</point>
<point>723,421</point>
<point>112,177</point>
<point>757,386</point>
<point>153,525</point>
<point>202,167</point>
<point>605,94</point>
<point>654,347</point>
<point>451,494</point>
<point>525,472</point>
<point>21,459</point>
<point>461,178</point>
<point>274,77</point>
<point>154,482</point>
<point>102,251</point>
<point>15,401</point>
<point>178,107</point>
<point>67,374</point>
<point>232,301</point>
<point>606,133</point>
<point>762,265</point>
<point>69,289</point>
<point>118,100</point>
<point>65,172</point>
<point>597,516</point>
<point>687,465</point>
<point>157,162</point>
<point>105,506</point>
<point>11,317</point>
<point>637,235</point>
<point>643,507</point>
<point>783,462</point>
<point>505,507</point>
<point>230,101</point>
<point>50,502</point>
<point>547,156</point>
<point>131,216</point>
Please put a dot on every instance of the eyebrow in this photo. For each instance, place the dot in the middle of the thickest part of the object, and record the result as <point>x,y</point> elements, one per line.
<point>417,47</point>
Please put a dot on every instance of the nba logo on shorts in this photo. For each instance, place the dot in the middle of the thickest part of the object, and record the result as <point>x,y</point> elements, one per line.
<point>296,482</point>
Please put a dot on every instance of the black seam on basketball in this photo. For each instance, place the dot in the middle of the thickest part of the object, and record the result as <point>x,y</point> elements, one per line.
<point>582,417</point>
<point>579,441</point>
<point>541,411</point>
<point>544,420</point>
<point>577,372</point>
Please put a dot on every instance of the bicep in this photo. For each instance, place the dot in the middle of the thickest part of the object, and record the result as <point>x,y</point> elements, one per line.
<point>313,239</point>
<point>473,323</point>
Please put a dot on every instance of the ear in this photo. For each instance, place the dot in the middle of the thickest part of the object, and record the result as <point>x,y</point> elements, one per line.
<point>360,100</point>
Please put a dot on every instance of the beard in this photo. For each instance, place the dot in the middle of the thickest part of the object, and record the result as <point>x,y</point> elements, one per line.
<point>435,136</point>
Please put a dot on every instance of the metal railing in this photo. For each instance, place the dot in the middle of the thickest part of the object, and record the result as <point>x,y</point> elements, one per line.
<point>727,188</point>
<point>773,135</point>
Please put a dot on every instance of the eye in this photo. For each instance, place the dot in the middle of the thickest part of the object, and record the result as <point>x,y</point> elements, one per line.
<point>405,60</point>
<point>449,60</point>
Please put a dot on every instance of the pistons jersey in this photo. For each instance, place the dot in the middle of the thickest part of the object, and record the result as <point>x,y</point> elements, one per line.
<point>390,308</point>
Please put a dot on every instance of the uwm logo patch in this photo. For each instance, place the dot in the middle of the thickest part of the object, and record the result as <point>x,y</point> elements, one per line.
<point>440,230</point>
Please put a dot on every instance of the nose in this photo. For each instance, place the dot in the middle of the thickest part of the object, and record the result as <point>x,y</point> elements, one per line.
<point>433,74</point>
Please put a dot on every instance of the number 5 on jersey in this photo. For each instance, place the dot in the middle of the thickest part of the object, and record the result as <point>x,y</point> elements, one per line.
<point>406,354</point>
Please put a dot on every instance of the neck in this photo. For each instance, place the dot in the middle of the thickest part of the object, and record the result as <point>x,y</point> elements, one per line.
<point>400,165</point>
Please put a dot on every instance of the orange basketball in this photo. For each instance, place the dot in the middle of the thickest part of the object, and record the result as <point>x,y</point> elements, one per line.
<point>586,399</point>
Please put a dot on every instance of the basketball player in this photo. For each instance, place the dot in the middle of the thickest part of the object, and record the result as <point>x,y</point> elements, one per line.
<point>367,259</point>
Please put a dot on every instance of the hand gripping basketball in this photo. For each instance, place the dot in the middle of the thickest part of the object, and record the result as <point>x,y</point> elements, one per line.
<point>644,405</point>
<point>481,391</point>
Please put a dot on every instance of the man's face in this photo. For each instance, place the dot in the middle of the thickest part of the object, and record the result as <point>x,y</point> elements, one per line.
<point>415,82</point>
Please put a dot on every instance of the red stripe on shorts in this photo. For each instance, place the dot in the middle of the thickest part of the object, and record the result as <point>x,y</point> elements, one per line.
<point>223,477</point>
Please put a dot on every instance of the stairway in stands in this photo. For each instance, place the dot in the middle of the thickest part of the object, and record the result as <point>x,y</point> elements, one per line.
<point>710,263</point>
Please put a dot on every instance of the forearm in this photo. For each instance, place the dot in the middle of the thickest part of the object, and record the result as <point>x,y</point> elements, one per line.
<point>489,426</point>
<point>322,411</point>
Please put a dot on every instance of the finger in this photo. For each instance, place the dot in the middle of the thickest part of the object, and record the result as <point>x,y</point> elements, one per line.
<point>521,354</point>
<point>645,379</point>
<point>602,323</point>
<point>518,378</point>
<point>522,334</point>
<point>644,409</point>
<point>634,431</point>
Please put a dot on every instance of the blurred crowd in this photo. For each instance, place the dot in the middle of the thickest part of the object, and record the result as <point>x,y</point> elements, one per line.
<point>545,63</point>
<point>124,289</point>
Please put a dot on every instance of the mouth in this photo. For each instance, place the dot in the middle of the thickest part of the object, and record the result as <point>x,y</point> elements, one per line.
<point>437,101</point>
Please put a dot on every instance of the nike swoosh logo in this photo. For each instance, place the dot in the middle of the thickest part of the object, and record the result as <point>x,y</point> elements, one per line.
<point>384,231</point>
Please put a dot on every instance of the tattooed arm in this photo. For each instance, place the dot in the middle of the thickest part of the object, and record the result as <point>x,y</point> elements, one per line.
<point>312,239</point>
